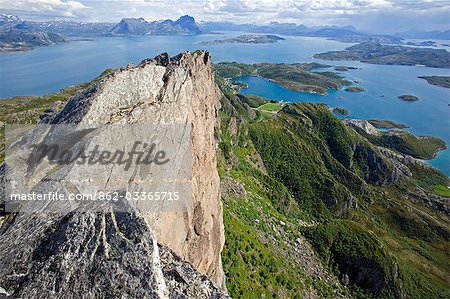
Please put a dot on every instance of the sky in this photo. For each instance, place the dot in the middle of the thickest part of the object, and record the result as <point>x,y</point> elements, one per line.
<point>377,16</point>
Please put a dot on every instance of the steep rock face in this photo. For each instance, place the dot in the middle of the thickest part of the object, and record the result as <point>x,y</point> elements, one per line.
<point>93,255</point>
<point>162,90</point>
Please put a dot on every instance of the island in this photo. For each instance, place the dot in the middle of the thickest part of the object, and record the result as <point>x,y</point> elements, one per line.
<point>344,68</point>
<point>245,39</point>
<point>296,76</point>
<point>408,98</point>
<point>342,111</point>
<point>376,53</point>
<point>442,81</point>
<point>355,89</point>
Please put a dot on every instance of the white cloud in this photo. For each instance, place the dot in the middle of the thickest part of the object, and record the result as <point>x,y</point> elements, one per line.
<point>361,13</point>
<point>55,8</point>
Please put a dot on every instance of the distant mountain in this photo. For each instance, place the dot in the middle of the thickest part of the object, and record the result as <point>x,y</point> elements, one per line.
<point>131,26</point>
<point>426,34</point>
<point>8,20</point>
<point>66,28</point>
<point>22,38</point>
<point>75,29</point>
<point>345,34</point>
<point>17,34</point>
<point>185,25</point>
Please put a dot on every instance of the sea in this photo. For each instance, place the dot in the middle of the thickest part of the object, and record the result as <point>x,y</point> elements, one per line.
<point>49,69</point>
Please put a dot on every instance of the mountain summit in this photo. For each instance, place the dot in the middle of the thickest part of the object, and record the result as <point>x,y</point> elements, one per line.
<point>185,25</point>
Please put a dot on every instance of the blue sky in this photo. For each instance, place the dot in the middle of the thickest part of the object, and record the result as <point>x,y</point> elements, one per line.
<point>370,15</point>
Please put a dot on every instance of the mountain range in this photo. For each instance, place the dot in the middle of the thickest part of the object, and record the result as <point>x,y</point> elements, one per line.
<point>185,25</point>
<point>17,34</point>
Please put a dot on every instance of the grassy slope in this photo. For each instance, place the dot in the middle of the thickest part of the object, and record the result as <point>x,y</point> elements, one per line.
<point>309,153</point>
<point>422,147</point>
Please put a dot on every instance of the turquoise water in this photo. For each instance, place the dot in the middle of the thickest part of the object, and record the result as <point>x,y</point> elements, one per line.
<point>48,69</point>
<point>429,116</point>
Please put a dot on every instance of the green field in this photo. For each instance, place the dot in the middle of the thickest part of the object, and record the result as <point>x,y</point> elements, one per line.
<point>442,190</point>
<point>271,107</point>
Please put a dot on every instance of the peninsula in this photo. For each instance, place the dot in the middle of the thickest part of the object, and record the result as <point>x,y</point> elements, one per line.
<point>442,81</point>
<point>297,76</point>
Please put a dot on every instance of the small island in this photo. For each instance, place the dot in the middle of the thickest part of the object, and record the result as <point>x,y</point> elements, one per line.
<point>342,111</point>
<point>246,39</point>
<point>355,89</point>
<point>344,68</point>
<point>408,98</point>
<point>442,81</point>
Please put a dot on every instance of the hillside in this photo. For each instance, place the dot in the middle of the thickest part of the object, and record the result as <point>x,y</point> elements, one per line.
<point>299,185</point>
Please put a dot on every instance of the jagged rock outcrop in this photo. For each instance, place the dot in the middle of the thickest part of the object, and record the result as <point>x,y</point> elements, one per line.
<point>88,254</point>
<point>363,272</point>
<point>364,125</point>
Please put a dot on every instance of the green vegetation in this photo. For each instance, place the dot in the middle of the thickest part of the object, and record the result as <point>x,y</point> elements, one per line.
<point>239,84</point>
<point>408,98</point>
<point>233,69</point>
<point>327,183</point>
<point>297,76</point>
<point>442,190</point>
<point>421,147</point>
<point>355,89</point>
<point>342,111</point>
<point>320,201</point>
<point>252,101</point>
<point>271,107</point>
<point>386,124</point>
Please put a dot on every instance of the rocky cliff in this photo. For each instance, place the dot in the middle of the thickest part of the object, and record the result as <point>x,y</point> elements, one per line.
<point>154,255</point>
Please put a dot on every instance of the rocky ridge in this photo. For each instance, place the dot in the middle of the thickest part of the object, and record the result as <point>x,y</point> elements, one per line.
<point>130,254</point>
